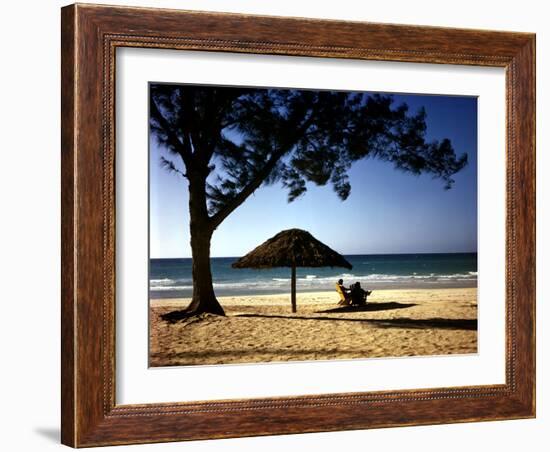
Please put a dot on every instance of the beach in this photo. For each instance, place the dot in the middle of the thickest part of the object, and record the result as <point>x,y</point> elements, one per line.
<point>262,328</point>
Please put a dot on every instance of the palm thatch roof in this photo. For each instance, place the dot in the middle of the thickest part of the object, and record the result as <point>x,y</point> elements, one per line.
<point>292,248</point>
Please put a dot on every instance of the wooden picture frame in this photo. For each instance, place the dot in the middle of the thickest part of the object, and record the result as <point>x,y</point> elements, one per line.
<point>90,36</point>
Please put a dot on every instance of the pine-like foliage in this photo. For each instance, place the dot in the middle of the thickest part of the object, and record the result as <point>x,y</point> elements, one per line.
<point>233,140</point>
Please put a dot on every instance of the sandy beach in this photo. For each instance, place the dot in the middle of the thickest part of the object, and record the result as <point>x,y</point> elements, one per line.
<point>262,328</point>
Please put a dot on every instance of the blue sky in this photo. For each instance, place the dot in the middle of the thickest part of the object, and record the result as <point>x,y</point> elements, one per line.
<point>387,211</point>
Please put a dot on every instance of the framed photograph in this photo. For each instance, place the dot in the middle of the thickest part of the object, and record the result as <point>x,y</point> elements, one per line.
<point>282,225</point>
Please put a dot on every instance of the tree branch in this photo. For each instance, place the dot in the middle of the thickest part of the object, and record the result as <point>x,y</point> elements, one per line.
<point>169,165</point>
<point>259,178</point>
<point>180,147</point>
<point>241,197</point>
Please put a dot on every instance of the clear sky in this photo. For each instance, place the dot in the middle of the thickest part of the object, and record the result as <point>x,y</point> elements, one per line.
<point>387,211</point>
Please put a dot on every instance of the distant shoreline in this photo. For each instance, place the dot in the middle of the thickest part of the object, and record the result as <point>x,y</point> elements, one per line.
<point>433,285</point>
<point>309,297</point>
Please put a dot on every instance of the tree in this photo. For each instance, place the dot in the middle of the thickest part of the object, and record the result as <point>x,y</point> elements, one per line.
<point>231,141</point>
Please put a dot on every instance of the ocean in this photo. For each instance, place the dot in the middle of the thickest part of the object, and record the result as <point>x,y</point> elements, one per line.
<point>171,278</point>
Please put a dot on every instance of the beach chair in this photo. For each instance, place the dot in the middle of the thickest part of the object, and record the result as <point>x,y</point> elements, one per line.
<point>344,300</point>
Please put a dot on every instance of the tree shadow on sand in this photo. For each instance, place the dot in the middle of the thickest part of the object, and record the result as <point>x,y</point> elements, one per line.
<point>188,318</point>
<point>403,322</point>
<point>434,323</point>
<point>368,307</point>
<point>275,352</point>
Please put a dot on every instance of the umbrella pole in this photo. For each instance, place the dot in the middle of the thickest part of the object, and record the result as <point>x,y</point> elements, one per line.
<point>293,289</point>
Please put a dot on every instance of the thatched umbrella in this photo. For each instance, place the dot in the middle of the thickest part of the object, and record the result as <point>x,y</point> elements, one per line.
<point>292,248</point>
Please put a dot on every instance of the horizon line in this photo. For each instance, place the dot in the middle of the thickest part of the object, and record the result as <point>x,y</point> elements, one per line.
<point>343,254</point>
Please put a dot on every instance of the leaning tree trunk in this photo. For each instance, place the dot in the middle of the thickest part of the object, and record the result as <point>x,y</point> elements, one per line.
<point>204,300</point>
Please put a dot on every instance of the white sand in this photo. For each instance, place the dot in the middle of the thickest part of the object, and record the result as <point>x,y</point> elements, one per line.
<point>262,328</point>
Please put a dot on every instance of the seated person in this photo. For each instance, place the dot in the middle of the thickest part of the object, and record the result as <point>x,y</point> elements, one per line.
<point>358,295</point>
<point>344,293</point>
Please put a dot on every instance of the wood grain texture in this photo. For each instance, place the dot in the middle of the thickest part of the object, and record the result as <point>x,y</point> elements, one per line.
<point>68,331</point>
<point>90,36</point>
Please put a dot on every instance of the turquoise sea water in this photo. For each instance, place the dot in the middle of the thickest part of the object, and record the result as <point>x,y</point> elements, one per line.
<point>171,278</point>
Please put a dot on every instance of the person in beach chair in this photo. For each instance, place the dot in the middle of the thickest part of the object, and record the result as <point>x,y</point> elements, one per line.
<point>345,296</point>
<point>358,295</point>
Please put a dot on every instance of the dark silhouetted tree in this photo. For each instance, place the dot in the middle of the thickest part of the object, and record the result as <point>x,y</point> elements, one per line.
<point>231,141</point>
